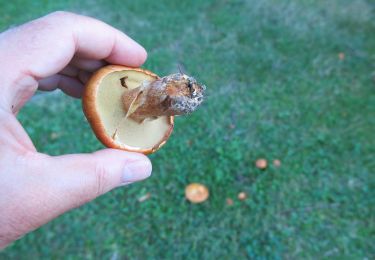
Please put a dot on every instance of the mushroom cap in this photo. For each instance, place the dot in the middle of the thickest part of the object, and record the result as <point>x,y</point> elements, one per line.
<point>242,195</point>
<point>261,163</point>
<point>103,108</point>
<point>196,193</point>
<point>277,163</point>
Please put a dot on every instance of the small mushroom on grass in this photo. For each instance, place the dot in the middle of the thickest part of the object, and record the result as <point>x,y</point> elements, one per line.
<point>242,196</point>
<point>276,163</point>
<point>261,164</point>
<point>196,193</point>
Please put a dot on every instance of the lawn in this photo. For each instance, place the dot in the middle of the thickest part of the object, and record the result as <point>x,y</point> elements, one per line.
<point>288,80</point>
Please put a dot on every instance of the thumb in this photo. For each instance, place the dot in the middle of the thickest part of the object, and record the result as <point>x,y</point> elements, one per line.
<point>51,186</point>
<point>79,178</point>
<point>97,173</point>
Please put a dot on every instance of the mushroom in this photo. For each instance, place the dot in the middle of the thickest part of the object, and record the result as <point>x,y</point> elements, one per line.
<point>242,196</point>
<point>196,193</point>
<point>277,163</point>
<point>261,163</point>
<point>133,109</point>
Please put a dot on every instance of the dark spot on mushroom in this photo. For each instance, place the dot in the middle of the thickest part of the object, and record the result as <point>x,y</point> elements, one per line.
<point>114,134</point>
<point>191,88</point>
<point>166,103</point>
<point>123,83</point>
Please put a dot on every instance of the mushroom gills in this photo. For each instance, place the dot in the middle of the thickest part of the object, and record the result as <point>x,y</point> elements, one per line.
<point>125,131</point>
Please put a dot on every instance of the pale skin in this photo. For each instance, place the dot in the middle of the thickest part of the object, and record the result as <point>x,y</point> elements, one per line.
<point>59,50</point>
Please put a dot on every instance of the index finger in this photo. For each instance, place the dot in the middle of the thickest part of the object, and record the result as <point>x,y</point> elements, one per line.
<point>45,46</point>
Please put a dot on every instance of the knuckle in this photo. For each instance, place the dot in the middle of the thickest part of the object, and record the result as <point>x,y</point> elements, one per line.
<point>60,14</point>
<point>101,179</point>
<point>58,19</point>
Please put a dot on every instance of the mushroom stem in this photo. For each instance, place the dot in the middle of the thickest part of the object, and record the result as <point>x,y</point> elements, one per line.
<point>176,94</point>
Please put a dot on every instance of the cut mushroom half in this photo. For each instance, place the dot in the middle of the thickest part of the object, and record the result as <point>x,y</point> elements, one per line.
<point>133,109</point>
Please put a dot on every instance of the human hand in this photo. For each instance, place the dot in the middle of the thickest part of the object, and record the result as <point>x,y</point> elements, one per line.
<point>60,49</point>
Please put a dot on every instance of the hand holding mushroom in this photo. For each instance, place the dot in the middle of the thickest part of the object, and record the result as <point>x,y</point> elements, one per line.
<point>59,50</point>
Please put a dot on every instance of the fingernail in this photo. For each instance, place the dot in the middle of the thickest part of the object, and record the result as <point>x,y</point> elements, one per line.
<point>136,171</point>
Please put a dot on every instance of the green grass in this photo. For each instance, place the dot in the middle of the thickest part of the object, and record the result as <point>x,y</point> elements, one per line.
<point>272,70</point>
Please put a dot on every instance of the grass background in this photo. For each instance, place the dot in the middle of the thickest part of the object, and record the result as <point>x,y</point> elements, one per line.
<point>276,89</point>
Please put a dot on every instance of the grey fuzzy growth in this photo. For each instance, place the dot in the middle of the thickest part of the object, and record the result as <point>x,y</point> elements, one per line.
<point>187,104</point>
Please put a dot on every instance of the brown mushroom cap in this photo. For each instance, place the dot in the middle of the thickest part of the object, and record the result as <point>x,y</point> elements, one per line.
<point>261,163</point>
<point>102,105</point>
<point>196,193</point>
<point>242,195</point>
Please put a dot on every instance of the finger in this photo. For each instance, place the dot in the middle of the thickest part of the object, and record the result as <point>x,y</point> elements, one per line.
<point>45,187</point>
<point>73,72</point>
<point>87,64</point>
<point>70,71</point>
<point>84,76</point>
<point>44,47</point>
<point>71,180</point>
<point>77,179</point>
<point>113,45</point>
<point>70,86</point>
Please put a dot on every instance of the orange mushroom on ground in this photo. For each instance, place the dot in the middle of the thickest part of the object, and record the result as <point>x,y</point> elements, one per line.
<point>242,195</point>
<point>229,201</point>
<point>196,193</point>
<point>261,163</point>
